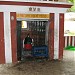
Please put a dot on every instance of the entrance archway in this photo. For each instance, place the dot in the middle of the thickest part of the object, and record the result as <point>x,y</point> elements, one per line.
<point>38,30</point>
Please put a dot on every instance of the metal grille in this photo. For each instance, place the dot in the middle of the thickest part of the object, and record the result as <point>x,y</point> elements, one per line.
<point>38,31</point>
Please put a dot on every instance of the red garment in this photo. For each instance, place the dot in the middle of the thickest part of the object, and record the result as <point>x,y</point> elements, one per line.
<point>27,46</point>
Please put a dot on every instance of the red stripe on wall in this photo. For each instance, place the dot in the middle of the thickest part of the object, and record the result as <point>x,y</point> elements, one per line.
<point>64,42</point>
<point>51,36</point>
<point>13,36</point>
<point>61,35</point>
<point>74,40</point>
<point>67,40</point>
<point>2,46</point>
<point>35,4</point>
<point>71,41</point>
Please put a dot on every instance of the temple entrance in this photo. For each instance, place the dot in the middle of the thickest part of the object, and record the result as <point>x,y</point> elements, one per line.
<point>38,30</point>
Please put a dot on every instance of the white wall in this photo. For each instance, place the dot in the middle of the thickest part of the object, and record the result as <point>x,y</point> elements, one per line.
<point>24,9</point>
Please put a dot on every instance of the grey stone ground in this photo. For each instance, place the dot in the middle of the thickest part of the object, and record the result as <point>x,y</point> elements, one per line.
<point>63,67</point>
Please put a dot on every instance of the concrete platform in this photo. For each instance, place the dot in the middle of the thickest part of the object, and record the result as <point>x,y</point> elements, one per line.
<point>45,67</point>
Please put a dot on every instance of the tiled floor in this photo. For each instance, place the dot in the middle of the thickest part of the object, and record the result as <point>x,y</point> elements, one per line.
<point>42,67</point>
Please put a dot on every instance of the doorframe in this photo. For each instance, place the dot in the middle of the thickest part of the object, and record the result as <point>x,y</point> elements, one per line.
<point>61,35</point>
<point>51,36</point>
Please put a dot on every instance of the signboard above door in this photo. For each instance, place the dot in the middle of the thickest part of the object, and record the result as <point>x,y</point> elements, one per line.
<point>44,16</point>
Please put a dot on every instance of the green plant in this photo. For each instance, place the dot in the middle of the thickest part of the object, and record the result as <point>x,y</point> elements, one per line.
<point>71,48</point>
<point>71,1</point>
<point>72,9</point>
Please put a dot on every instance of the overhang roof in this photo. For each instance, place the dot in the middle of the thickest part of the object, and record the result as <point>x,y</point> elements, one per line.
<point>37,3</point>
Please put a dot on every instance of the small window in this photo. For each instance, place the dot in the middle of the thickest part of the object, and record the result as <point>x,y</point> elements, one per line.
<point>24,24</point>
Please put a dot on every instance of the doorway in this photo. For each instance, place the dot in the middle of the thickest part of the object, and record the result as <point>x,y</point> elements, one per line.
<point>38,30</point>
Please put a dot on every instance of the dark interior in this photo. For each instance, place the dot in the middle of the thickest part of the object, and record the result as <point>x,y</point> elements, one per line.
<point>37,31</point>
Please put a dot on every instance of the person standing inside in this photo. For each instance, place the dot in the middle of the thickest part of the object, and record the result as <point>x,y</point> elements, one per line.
<point>28,43</point>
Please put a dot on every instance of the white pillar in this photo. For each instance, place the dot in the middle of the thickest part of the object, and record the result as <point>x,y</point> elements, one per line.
<point>56,36</point>
<point>7,37</point>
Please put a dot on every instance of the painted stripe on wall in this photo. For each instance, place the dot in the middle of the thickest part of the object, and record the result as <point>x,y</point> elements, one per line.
<point>51,36</point>
<point>7,37</point>
<point>56,36</point>
<point>35,4</point>
<point>69,41</point>
<point>73,41</point>
<point>2,48</point>
<point>13,36</point>
<point>61,35</point>
<point>65,41</point>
